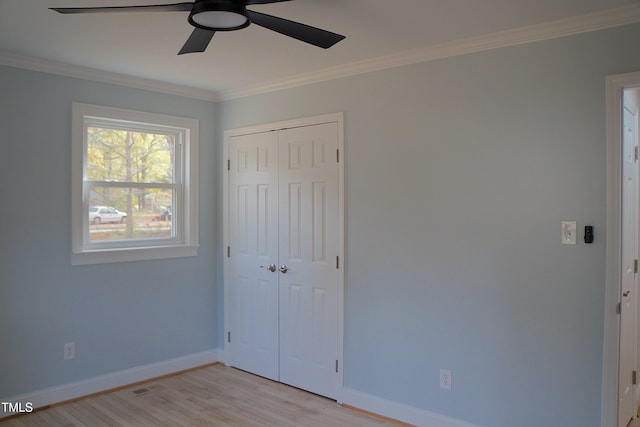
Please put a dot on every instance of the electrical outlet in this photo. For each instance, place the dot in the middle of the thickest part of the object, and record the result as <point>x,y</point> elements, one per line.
<point>69,350</point>
<point>445,379</point>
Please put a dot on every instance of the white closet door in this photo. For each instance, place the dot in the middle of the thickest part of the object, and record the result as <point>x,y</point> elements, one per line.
<point>283,201</point>
<point>308,246</point>
<point>253,223</point>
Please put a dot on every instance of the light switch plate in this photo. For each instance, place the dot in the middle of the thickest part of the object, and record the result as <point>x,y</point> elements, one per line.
<point>569,232</point>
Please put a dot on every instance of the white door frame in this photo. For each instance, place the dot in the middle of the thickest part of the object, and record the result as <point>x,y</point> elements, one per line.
<point>267,127</point>
<point>615,85</point>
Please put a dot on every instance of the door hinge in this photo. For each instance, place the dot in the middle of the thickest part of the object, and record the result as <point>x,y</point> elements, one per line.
<point>618,308</point>
<point>228,251</point>
<point>636,153</point>
<point>635,266</point>
<point>634,377</point>
<point>228,165</point>
<point>337,367</point>
<point>338,156</point>
<point>338,262</point>
<point>229,337</point>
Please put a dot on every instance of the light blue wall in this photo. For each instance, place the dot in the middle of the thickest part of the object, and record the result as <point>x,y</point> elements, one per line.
<point>459,173</point>
<point>119,315</point>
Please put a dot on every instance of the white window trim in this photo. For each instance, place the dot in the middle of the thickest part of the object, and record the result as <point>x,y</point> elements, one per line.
<point>83,254</point>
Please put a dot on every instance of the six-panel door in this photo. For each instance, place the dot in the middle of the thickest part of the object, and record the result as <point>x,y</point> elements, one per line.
<point>284,211</point>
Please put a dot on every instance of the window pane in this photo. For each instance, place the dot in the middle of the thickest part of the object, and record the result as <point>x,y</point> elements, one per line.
<point>127,213</point>
<point>126,156</point>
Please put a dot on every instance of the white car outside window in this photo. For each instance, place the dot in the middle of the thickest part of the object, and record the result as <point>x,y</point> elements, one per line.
<point>100,214</point>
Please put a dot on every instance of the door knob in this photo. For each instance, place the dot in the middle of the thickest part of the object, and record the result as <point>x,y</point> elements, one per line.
<point>626,294</point>
<point>272,267</point>
<point>284,269</point>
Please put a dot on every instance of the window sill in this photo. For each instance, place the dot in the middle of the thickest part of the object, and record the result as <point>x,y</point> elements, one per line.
<point>133,254</point>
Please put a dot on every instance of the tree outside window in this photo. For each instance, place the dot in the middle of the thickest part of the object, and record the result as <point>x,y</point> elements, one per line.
<point>125,156</point>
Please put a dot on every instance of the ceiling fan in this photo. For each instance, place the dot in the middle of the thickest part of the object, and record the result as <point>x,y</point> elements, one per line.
<point>209,16</point>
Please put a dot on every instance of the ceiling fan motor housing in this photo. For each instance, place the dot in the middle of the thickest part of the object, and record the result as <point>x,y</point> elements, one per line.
<point>219,15</point>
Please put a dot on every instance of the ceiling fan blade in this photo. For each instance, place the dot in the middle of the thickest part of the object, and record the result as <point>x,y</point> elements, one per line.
<point>197,41</point>
<point>248,2</point>
<point>176,7</point>
<point>312,35</point>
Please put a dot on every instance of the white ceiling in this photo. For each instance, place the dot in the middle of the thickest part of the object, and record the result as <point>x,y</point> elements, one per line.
<point>145,45</point>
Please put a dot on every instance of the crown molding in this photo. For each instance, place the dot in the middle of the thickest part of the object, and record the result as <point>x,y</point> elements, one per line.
<point>560,28</point>
<point>11,59</point>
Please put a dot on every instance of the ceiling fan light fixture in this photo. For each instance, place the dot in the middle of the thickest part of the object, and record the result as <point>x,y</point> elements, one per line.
<point>219,15</point>
<point>210,16</point>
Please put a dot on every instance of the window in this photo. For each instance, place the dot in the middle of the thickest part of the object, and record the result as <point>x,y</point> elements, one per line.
<point>134,188</point>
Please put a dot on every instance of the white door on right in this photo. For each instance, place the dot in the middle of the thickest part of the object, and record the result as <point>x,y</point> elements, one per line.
<point>309,230</point>
<point>628,298</point>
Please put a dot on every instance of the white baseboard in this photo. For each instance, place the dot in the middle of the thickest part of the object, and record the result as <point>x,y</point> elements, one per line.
<point>399,411</point>
<point>367,402</point>
<point>100,383</point>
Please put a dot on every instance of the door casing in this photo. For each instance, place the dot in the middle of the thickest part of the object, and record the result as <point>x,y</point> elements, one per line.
<point>615,85</point>
<point>300,122</point>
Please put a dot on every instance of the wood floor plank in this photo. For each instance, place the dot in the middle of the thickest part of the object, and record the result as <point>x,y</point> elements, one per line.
<point>215,395</point>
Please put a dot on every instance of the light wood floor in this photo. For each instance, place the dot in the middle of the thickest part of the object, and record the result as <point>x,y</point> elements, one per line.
<point>211,396</point>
